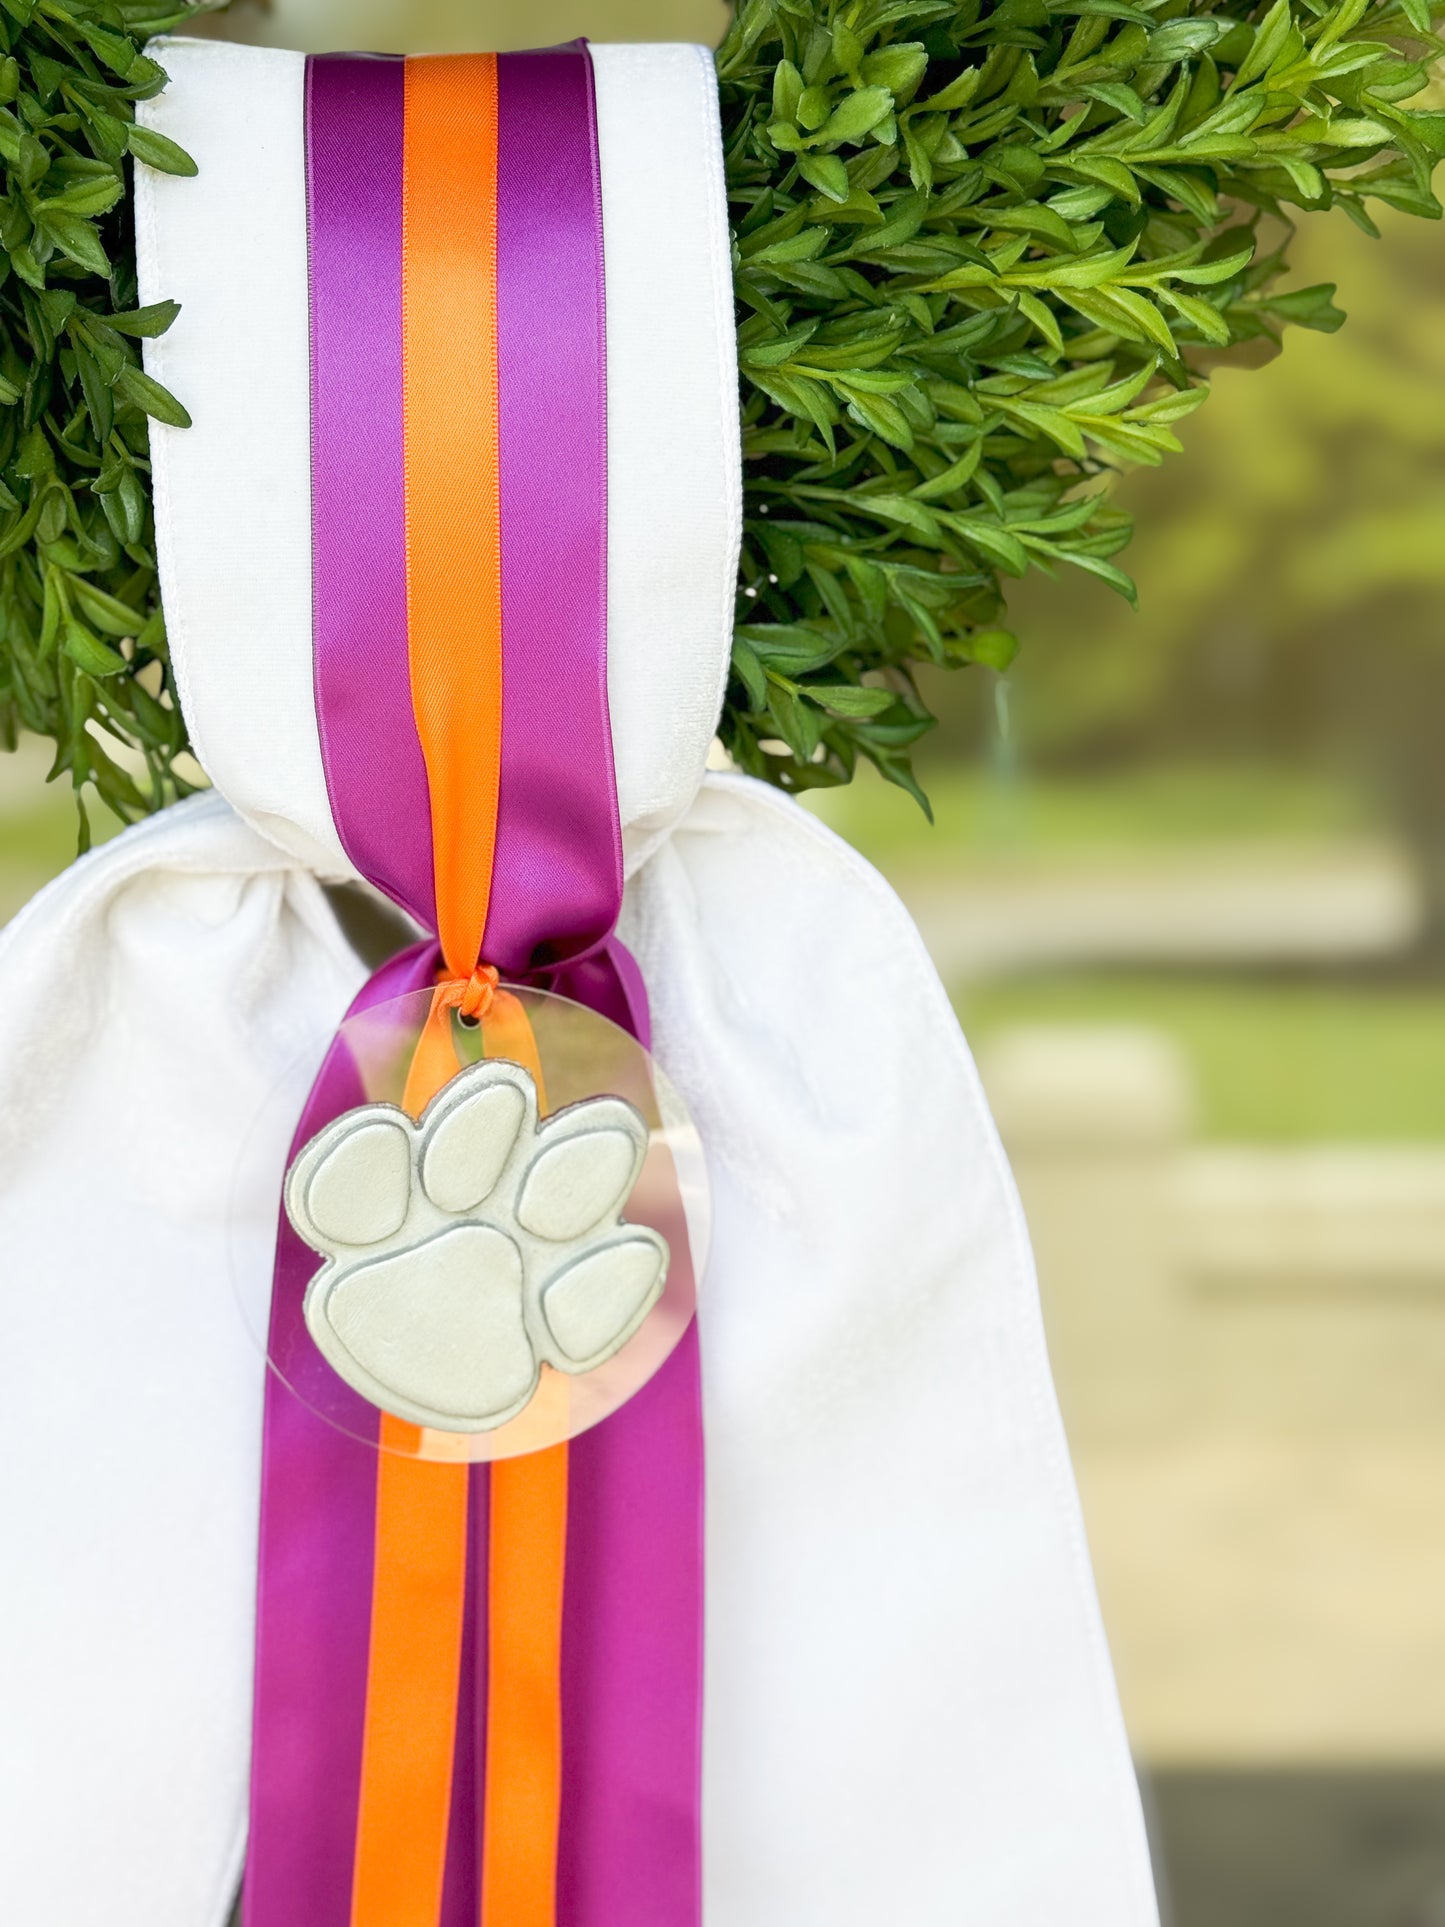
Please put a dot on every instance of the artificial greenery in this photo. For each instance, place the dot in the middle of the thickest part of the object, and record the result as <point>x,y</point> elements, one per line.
<point>984,255</point>
<point>982,258</point>
<point>82,642</point>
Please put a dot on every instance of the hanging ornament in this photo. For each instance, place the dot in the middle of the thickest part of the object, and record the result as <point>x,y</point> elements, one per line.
<point>510,1259</point>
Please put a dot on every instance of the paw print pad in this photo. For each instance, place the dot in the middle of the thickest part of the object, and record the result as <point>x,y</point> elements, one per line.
<point>465,1251</point>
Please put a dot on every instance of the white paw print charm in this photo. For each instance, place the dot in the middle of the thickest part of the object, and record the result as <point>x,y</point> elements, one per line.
<point>466,1250</point>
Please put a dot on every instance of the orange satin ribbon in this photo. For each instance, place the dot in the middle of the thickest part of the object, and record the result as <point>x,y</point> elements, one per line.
<point>453,532</point>
<point>418,1594</point>
<point>524,1652</point>
<point>417,1599</point>
<point>452,458</point>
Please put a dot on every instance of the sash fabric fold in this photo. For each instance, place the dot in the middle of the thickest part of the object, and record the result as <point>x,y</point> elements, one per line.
<point>478,1690</point>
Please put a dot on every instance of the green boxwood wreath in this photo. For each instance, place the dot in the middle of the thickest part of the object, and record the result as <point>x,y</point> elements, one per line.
<point>982,254</point>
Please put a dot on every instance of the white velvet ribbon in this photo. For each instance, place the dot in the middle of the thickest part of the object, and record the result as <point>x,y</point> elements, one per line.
<point>910,1714</point>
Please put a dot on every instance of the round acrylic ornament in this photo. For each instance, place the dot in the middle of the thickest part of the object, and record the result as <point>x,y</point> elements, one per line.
<point>496,1240</point>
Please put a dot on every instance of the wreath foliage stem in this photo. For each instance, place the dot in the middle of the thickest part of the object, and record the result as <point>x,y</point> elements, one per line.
<point>983,257</point>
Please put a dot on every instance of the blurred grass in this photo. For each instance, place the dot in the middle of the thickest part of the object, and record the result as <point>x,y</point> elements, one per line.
<point>1282,1063</point>
<point>1123,816</point>
<point>35,842</point>
<point>38,824</point>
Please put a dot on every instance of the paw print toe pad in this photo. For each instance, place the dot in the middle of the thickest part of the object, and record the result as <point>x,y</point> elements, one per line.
<point>594,1304</point>
<point>466,1151</point>
<point>572,1185</point>
<point>361,1195</point>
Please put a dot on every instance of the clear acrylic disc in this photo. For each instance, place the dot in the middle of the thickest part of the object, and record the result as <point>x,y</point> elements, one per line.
<point>421,1317</point>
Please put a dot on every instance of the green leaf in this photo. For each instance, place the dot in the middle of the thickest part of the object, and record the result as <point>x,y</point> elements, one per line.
<point>95,657</point>
<point>879,414</point>
<point>1429,130</point>
<point>773,352</point>
<point>749,671</point>
<point>995,648</point>
<point>958,93</point>
<point>1123,312</point>
<point>799,726</point>
<point>787,646</point>
<point>1043,318</point>
<point>797,247</point>
<point>1309,308</point>
<point>847,47</point>
<point>159,151</point>
<point>1106,572</point>
<point>1269,38</point>
<point>997,544</point>
<point>1204,274</point>
<point>1109,173</point>
<point>899,68</point>
<point>787,91</point>
<point>77,238</point>
<point>856,115</point>
<point>813,108</point>
<point>99,400</point>
<point>48,76</point>
<point>147,394</point>
<point>850,699</point>
<point>145,323</point>
<point>1122,99</point>
<point>1208,320</point>
<point>117,50</point>
<point>1181,39</point>
<point>107,612</point>
<point>85,197</point>
<point>954,478</point>
<point>827,173</point>
<point>1052,422</point>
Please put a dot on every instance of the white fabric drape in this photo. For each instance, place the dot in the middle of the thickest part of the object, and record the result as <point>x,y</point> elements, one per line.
<point>910,1713</point>
<point>151,1001</point>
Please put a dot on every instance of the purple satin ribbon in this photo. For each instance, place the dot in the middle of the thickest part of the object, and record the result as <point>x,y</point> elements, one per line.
<point>629,1853</point>
<point>375,775</point>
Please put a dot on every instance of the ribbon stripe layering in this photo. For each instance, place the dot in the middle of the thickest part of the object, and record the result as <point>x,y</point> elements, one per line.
<point>478,1689</point>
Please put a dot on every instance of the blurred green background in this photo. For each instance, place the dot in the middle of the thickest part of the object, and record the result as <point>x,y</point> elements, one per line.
<point>1187,886</point>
